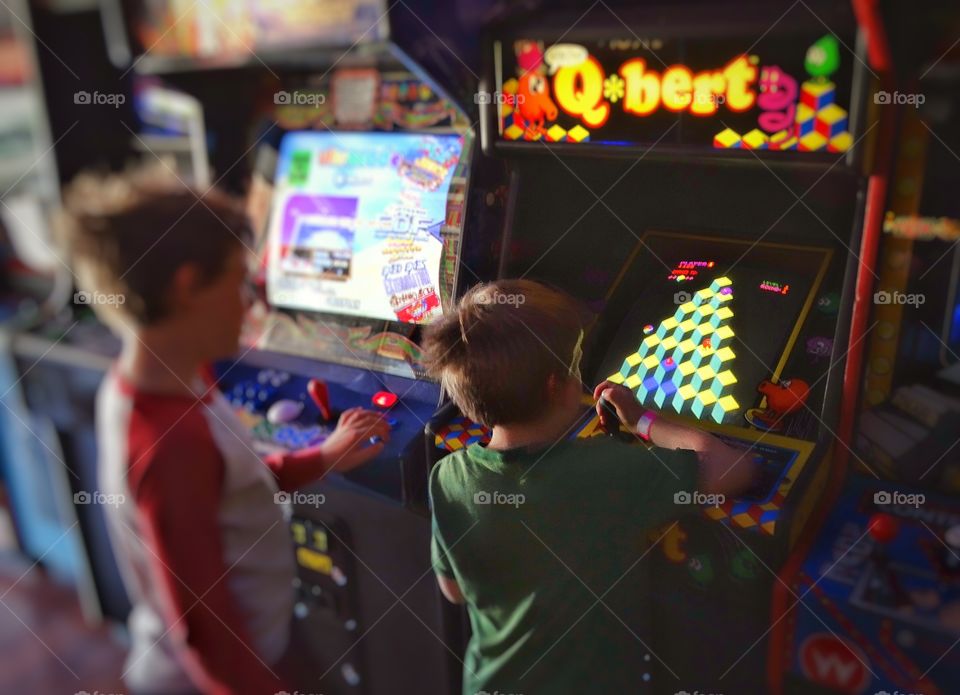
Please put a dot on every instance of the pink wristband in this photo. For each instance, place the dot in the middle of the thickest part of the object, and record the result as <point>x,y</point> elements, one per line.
<point>644,424</point>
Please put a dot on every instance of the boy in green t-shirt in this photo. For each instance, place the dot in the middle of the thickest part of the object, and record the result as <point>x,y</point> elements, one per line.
<point>543,537</point>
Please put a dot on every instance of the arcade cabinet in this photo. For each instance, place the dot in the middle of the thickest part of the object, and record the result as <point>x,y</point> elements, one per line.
<point>869,601</point>
<point>363,203</point>
<point>692,177</point>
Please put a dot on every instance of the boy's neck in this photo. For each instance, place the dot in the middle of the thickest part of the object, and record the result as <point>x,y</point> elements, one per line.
<point>158,363</point>
<point>543,432</point>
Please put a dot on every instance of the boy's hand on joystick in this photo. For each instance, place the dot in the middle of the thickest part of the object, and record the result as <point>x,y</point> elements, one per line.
<point>621,401</point>
<point>360,436</point>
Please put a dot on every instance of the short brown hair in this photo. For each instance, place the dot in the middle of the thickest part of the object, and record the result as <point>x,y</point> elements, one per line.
<point>129,233</point>
<point>495,353</point>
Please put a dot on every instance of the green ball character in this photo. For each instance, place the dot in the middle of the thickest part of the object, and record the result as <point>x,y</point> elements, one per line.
<point>823,57</point>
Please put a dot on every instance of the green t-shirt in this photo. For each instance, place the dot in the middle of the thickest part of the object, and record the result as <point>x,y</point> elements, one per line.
<point>534,538</point>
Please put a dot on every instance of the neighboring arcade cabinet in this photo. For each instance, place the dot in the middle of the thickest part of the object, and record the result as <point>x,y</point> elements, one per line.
<point>703,202</point>
<point>362,247</point>
<point>880,595</point>
<point>870,600</point>
<point>359,229</point>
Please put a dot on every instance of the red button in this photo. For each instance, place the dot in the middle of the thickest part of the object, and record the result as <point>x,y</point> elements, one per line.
<point>384,399</point>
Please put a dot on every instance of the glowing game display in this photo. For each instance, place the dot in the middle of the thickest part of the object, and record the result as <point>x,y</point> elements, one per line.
<point>356,225</point>
<point>705,330</point>
<point>686,364</point>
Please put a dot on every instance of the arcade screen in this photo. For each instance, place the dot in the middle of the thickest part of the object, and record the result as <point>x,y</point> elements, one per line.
<point>356,222</point>
<point>712,318</point>
<point>235,28</point>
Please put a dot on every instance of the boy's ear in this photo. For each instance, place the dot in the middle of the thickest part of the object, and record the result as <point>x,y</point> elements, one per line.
<point>556,385</point>
<point>553,384</point>
<point>184,285</point>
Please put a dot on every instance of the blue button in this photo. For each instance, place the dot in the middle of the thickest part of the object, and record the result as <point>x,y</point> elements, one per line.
<point>393,422</point>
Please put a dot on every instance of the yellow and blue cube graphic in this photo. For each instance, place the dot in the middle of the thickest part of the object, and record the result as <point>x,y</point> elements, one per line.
<point>819,125</point>
<point>686,363</point>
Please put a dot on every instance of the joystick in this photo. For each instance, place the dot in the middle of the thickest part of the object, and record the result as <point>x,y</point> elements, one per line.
<point>610,421</point>
<point>320,395</point>
<point>883,528</point>
<point>884,588</point>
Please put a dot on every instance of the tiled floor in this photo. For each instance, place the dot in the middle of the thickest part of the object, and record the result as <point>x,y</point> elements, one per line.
<point>45,646</point>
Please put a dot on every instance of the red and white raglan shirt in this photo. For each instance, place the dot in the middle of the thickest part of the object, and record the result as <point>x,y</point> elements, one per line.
<point>204,550</point>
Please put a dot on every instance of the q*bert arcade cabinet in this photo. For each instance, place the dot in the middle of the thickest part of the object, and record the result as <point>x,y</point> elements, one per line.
<point>361,248</point>
<point>692,177</point>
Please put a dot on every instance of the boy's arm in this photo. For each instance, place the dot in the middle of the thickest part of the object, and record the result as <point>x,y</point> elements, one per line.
<point>343,450</point>
<point>723,469</point>
<point>441,567</point>
<point>178,497</point>
<point>438,553</point>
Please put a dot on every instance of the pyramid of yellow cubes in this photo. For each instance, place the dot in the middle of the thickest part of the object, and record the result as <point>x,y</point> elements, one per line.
<point>685,363</point>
